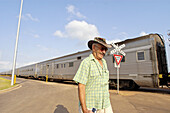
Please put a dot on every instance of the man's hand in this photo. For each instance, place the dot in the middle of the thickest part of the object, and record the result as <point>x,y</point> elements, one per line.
<point>88,111</point>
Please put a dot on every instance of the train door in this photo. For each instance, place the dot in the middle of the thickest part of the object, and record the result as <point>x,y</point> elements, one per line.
<point>17,72</point>
<point>162,63</point>
<point>47,69</point>
<point>36,71</point>
<point>52,69</point>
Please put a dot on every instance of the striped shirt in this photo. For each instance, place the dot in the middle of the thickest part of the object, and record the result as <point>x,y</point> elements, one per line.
<point>91,74</point>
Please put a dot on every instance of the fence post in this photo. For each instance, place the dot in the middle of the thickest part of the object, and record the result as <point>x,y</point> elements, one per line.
<point>14,79</point>
<point>46,78</point>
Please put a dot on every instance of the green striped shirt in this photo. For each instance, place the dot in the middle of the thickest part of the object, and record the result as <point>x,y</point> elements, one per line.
<point>91,74</point>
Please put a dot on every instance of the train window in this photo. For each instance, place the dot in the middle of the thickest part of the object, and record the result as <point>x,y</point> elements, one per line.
<point>63,65</point>
<point>48,66</point>
<point>56,66</point>
<point>79,58</point>
<point>140,55</point>
<point>70,64</point>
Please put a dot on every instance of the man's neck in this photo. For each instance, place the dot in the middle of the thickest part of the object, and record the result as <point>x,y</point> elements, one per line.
<point>99,60</point>
<point>95,56</point>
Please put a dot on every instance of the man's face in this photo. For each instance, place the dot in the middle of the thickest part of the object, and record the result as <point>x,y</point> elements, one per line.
<point>99,51</point>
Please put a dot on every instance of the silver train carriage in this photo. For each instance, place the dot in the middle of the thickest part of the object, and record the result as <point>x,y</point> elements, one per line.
<point>144,65</point>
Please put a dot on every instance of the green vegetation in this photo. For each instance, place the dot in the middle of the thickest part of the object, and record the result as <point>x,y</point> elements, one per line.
<point>4,83</point>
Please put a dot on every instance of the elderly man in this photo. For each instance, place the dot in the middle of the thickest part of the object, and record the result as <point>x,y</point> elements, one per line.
<point>92,78</point>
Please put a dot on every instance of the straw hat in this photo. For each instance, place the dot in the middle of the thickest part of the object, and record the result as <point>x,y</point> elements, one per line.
<point>98,40</point>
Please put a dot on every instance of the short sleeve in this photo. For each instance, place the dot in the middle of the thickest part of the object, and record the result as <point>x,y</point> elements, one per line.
<point>82,73</point>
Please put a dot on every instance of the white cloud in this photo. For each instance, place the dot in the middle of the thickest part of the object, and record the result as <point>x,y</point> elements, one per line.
<point>70,9</point>
<point>43,48</point>
<point>46,49</point>
<point>78,30</point>
<point>28,16</point>
<point>35,35</point>
<point>26,64</point>
<point>59,33</point>
<point>31,34</point>
<point>73,11</point>
<point>143,33</point>
<point>113,41</point>
<point>5,65</point>
<point>0,54</point>
<point>123,35</point>
<point>114,28</point>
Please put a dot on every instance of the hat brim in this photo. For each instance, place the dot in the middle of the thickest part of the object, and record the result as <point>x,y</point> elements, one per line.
<point>90,43</point>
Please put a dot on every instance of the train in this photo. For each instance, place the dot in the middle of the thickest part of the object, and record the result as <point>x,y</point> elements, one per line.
<point>145,64</point>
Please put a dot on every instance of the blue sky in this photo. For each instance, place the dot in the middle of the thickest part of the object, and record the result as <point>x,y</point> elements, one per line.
<point>52,28</point>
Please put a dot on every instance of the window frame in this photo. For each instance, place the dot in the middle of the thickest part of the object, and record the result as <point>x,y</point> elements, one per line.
<point>56,66</point>
<point>143,55</point>
<point>71,64</point>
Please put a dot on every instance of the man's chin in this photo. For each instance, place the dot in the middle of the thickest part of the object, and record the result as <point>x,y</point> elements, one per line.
<point>101,56</point>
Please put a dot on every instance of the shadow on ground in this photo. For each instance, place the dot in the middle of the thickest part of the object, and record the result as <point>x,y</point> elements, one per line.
<point>61,109</point>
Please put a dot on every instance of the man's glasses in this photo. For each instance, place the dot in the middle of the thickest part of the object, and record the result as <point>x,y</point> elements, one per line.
<point>102,48</point>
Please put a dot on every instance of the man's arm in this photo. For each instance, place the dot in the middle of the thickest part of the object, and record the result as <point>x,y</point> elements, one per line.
<point>82,98</point>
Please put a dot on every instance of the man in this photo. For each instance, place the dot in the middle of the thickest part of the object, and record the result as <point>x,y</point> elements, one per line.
<point>92,78</point>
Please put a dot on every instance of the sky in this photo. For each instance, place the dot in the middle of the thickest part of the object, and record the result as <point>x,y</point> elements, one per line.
<point>54,28</point>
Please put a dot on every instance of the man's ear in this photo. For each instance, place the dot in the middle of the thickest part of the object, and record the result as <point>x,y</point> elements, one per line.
<point>93,47</point>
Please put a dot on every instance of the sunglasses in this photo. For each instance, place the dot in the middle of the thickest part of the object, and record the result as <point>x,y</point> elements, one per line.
<point>102,48</point>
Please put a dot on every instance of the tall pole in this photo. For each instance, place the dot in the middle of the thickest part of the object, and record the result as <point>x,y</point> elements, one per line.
<point>117,80</point>
<point>16,46</point>
<point>117,75</point>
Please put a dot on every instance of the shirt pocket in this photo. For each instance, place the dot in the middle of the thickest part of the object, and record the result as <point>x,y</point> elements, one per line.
<point>106,76</point>
<point>94,77</point>
<point>94,72</point>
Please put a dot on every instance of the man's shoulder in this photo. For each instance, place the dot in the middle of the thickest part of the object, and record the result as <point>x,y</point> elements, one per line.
<point>87,59</point>
<point>90,57</point>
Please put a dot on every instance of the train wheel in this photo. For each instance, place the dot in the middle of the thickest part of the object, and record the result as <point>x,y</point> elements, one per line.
<point>133,85</point>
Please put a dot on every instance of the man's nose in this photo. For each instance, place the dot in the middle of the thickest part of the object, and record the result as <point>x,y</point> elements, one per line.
<point>104,51</point>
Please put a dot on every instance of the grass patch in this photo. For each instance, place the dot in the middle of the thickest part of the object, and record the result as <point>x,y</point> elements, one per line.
<point>4,83</point>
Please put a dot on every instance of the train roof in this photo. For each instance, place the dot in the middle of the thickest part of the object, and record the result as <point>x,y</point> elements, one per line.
<point>141,38</point>
<point>77,53</point>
